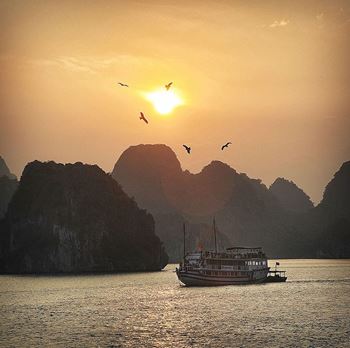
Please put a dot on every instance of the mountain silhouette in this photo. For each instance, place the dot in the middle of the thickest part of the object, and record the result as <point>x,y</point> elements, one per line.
<point>281,218</point>
<point>330,220</point>
<point>8,186</point>
<point>291,197</point>
<point>76,218</point>
<point>247,212</point>
<point>152,175</point>
<point>4,170</point>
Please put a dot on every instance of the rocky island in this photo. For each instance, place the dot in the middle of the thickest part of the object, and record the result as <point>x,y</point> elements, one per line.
<point>76,218</point>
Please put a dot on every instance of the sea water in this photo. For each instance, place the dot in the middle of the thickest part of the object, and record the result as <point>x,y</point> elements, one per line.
<point>312,309</point>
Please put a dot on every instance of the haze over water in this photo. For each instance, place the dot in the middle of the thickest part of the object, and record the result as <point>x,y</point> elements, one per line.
<point>311,309</point>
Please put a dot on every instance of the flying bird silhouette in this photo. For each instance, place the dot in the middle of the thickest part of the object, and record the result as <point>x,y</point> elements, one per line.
<point>168,86</point>
<point>226,145</point>
<point>123,84</point>
<point>188,149</point>
<point>143,118</point>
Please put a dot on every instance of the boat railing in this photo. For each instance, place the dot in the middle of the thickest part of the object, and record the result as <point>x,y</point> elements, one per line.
<point>213,255</point>
<point>277,273</point>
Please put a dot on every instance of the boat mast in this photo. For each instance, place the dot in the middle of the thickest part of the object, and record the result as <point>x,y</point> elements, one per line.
<point>214,228</point>
<point>184,229</point>
<point>160,255</point>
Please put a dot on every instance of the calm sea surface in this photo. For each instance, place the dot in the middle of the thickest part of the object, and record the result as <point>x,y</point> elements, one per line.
<point>312,309</point>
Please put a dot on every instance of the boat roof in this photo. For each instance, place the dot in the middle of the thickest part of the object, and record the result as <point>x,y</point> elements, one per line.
<point>241,247</point>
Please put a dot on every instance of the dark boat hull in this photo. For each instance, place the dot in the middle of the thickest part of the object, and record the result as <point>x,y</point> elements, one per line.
<point>274,279</point>
<point>196,279</point>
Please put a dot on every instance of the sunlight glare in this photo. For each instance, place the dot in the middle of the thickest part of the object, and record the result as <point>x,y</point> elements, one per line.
<point>164,101</point>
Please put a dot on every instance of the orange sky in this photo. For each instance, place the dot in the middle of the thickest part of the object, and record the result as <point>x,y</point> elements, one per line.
<point>272,77</point>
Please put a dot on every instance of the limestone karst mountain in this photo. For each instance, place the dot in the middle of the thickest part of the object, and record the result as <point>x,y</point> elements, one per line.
<point>336,197</point>
<point>4,170</point>
<point>246,212</point>
<point>8,186</point>
<point>76,218</point>
<point>291,197</point>
<point>282,218</point>
<point>152,175</point>
<point>330,220</point>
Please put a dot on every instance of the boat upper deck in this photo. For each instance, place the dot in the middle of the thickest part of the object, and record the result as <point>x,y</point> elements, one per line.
<point>236,253</point>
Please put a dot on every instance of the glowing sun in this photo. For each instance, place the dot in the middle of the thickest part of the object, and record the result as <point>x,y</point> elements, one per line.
<point>164,101</point>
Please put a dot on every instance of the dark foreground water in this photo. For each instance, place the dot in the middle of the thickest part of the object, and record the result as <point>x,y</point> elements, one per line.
<point>312,309</point>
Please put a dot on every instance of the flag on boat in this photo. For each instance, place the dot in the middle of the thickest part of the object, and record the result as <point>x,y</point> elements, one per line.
<point>200,246</point>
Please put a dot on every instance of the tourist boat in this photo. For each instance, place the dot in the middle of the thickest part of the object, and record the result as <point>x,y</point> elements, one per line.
<point>236,265</point>
<point>276,276</point>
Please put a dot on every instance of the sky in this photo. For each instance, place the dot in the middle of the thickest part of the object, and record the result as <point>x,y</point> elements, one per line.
<point>272,77</point>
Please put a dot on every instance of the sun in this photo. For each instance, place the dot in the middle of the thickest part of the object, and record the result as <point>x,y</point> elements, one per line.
<point>164,101</point>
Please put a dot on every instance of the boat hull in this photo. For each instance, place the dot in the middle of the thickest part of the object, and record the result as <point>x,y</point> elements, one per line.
<point>196,279</point>
<point>274,279</point>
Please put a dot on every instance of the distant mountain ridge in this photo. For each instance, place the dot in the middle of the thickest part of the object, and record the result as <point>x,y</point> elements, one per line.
<point>330,220</point>
<point>152,175</point>
<point>8,186</point>
<point>291,197</point>
<point>336,197</point>
<point>247,212</point>
<point>5,171</point>
<point>76,218</point>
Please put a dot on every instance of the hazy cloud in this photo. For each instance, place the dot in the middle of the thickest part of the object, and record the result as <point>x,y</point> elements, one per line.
<point>280,23</point>
<point>320,16</point>
<point>86,64</point>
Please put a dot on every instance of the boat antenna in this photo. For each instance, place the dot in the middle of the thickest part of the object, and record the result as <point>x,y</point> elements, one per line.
<point>184,229</point>
<point>214,228</point>
<point>160,255</point>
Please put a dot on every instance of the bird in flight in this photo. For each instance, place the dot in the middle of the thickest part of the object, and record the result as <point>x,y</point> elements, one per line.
<point>123,84</point>
<point>168,86</point>
<point>226,145</point>
<point>188,149</point>
<point>143,118</point>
